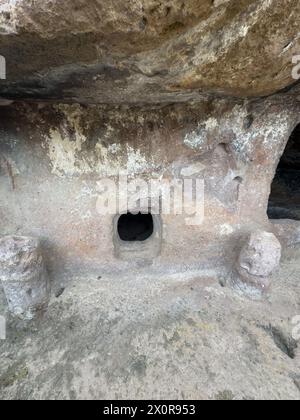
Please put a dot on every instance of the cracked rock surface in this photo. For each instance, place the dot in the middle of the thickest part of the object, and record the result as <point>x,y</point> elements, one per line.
<point>259,258</point>
<point>23,275</point>
<point>147,51</point>
<point>172,337</point>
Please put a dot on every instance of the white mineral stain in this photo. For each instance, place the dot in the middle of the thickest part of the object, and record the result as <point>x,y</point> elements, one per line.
<point>68,157</point>
<point>226,229</point>
<point>198,137</point>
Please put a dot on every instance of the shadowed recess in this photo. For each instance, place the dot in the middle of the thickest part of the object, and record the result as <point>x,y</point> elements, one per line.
<point>137,227</point>
<point>284,202</point>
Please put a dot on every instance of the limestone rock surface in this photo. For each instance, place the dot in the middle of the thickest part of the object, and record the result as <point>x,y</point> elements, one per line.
<point>147,51</point>
<point>259,258</point>
<point>23,275</point>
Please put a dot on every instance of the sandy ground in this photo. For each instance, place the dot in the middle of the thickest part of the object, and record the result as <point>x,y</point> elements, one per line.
<point>182,336</point>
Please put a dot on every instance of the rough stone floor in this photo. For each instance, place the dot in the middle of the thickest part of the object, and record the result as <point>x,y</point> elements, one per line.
<point>172,337</point>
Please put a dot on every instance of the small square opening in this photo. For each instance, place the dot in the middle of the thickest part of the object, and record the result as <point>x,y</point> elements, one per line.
<point>137,235</point>
<point>135,227</point>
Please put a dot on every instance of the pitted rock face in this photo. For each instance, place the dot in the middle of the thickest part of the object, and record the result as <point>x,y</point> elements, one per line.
<point>23,275</point>
<point>18,257</point>
<point>259,258</point>
<point>147,51</point>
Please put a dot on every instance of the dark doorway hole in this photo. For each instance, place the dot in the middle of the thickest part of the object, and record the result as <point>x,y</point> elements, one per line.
<point>135,227</point>
<point>284,202</point>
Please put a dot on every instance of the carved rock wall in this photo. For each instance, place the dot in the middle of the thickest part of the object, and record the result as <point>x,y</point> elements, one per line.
<point>54,158</point>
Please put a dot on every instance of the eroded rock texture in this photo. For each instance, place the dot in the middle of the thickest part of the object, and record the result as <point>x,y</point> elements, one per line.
<point>195,91</point>
<point>258,260</point>
<point>54,157</point>
<point>147,51</point>
<point>23,276</point>
<point>172,90</point>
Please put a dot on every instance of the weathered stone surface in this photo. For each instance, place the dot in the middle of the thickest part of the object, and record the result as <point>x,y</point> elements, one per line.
<point>56,156</point>
<point>288,231</point>
<point>23,275</point>
<point>259,258</point>
<point>139,290</point>
<point>204,338</point>
<point>147,51</point>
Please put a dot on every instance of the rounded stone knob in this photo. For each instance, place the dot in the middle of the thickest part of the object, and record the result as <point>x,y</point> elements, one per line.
<point>24,276</point>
